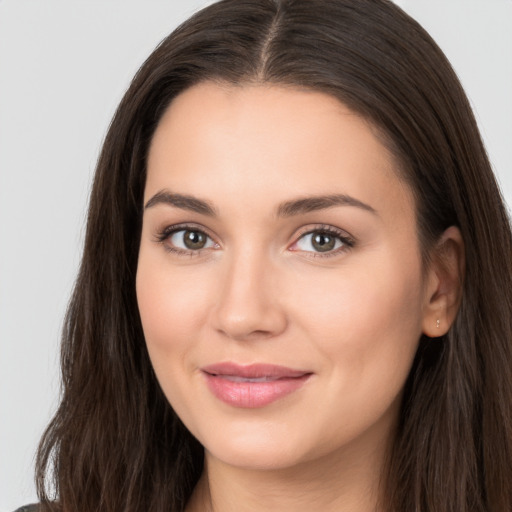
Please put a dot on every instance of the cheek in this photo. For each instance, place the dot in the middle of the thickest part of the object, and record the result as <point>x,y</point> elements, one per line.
<point>366,318</point>
<point>172,307</point>
<point>366,324</point>
<point>172,310</point>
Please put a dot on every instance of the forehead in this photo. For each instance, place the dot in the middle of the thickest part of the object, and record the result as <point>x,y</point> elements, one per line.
<point>269,142</point>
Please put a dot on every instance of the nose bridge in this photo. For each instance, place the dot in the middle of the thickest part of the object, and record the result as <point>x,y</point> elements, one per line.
<point>248,306</point>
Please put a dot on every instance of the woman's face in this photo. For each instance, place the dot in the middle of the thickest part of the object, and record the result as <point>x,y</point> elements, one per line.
<point>279,279</point>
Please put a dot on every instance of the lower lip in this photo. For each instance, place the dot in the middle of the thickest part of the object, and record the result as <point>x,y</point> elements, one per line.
<point>250,395</point>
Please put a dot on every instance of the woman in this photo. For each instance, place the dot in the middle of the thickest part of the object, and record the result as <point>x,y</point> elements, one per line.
<point>295,288</point>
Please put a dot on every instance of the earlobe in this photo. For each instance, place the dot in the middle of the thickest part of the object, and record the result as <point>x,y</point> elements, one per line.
<point>444,283</point>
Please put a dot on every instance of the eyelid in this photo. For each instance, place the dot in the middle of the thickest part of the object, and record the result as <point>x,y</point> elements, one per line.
<point>324,228</point>
<point>191,226</point>
<point>347,240</point>
<point>162,235</point>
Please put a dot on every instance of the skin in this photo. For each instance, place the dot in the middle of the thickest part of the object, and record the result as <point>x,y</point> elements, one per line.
<point>260,292</point>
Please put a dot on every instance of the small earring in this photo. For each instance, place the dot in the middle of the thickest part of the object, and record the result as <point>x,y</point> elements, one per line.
<point>438,323</point>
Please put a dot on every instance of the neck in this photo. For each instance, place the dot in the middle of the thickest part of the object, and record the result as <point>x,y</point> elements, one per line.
<point>340,482</point>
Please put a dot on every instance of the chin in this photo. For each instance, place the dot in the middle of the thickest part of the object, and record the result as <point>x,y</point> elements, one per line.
<point>258,447</point>
<point>257,457</point>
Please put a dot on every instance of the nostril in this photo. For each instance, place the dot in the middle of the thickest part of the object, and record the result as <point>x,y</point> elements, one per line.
<point>246,335</point>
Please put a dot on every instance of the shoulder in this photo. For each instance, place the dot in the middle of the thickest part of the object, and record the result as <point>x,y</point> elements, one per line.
<point>28,508</point>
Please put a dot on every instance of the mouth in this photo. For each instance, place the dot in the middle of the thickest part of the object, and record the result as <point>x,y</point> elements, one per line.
<point>252,386</point>
<point>236,378</point>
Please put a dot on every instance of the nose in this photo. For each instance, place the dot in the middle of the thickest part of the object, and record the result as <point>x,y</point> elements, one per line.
<point>249,306</point>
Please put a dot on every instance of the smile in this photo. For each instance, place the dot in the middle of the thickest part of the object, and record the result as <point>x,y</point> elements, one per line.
<point>252,386</point>
<point>236,378</point>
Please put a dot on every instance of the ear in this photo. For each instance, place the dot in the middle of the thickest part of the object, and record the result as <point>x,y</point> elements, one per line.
<point>444,283</point>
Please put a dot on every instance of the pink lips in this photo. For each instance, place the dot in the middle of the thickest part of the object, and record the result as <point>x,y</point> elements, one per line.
<point>252,386</point>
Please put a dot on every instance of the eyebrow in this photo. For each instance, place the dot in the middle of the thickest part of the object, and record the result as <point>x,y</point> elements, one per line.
<point>185,202</point>
<point>287,209</point>
<point>314,203</point>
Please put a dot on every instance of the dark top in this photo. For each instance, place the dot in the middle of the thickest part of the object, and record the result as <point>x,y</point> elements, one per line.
<point>28,508</point>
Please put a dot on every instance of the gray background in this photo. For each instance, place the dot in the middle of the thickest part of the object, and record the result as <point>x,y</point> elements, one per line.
<point>63,68</point>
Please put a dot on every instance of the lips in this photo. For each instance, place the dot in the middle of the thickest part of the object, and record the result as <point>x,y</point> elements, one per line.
<point>254,385</point>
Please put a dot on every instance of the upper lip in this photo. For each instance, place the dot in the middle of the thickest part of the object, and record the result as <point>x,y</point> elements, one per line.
<point>254,371</point>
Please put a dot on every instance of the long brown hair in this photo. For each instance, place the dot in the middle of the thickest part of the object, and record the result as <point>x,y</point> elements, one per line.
<point>115,443</point>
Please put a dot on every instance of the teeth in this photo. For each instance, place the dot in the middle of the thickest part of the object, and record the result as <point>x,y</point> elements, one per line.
<point>235,378</point>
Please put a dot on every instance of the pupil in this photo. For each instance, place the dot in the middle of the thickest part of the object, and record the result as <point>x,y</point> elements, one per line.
<point>323,242</point>
<point>194,239</point>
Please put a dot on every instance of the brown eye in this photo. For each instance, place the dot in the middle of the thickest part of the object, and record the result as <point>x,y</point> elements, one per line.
<point>323,242</point>
<point>194,239</point>
<point>190,240</point>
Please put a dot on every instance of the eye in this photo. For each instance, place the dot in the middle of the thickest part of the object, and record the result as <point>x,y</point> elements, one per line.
<point>322,241</point>
<point>190,239</point>
<point>186,240</point>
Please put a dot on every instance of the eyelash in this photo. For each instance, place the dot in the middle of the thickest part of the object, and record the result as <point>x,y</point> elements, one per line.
<point>167,232</point>
<point>347,241</point>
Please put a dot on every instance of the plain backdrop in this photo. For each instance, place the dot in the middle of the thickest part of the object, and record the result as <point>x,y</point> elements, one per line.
<point>63,68</point>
